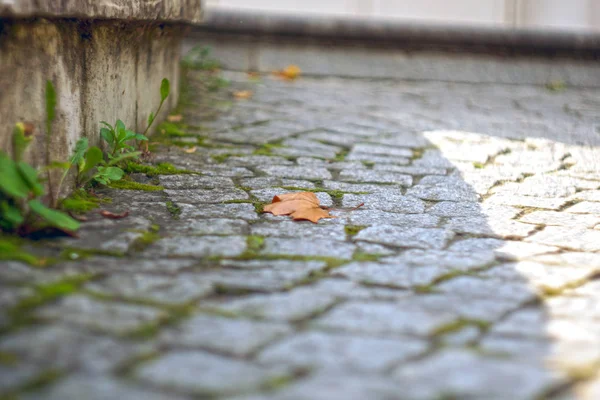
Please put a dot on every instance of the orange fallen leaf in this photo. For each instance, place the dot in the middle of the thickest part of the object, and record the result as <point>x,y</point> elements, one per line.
<point>242,94</point>
<point>175,118</point>
<point>290,72</point>
<point>191,150</point>
<point>299,206</point>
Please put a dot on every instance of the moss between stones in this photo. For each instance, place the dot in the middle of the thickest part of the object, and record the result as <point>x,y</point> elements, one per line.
<point>158,169</point>
<point>73,253</point>
<point>7,358</point>
<point>365,257</point>
<point>352,230</point>
<point>341,155</point>
<point>173,209</point>
<point>131,185</point>
<point>81,202</point>
<point>478,165</point>
<point>460,324</point>
<point>10,250</point>
<point>258,205</point>
<point>267,149</point>
<point>368,164</point>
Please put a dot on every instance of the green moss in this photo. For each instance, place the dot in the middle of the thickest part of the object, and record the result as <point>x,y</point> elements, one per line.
<point>331,262</point>
<point>365,257</point>
<point>173,209</point>
<point>278,382</point>
<point>158,169</point>
<point>341,155</point>
<point>10,250</point>
<point>352,230</point>
<point>254,243</point>
<point>7,358</point>
<point>556,86</point>
<point>267,149</point>
<point>44,293</point>
<point>41,380</point>
<point>459,325</point>
<point>81,201</point>
<point>478,165</point>
<point>221,158</point>
<point>172,129</point>
<point>131,185</point>
<point>145,240</point>
<point>73,253</point>
<point>368,164</point>
<point>417,153</point>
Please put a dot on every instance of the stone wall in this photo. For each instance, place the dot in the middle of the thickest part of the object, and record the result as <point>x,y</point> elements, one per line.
<point>102,68</point>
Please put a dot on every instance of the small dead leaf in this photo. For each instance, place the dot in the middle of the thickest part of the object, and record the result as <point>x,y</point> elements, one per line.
<point>191,149</point>
<point>110,215</point>
<point>290,72</point>
<point>242,94</point>
<point>175,118</point>
<point>299,206</point>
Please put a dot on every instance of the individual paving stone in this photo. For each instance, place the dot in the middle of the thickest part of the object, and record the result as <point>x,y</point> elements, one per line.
<point>310,148</point>
<point>259,280</point>
<point>399,139</point>
<point>11,296</point>
<point>551,218</point>
<point>297,183</point>
<point>335,351</point>
<point>188,182</point>
<point>233,336</point>
<point>399,236</point>
<point>544,185</point>
<point>197,246</point>
<point>296,172</point>
<point>525,201</point>
<point>62,347</point>
<point>585,207</point>
<point>570,258</point>
<point>382,150</point>
<point>161,289</point>
<point>94,387</point>
<point>393,275</point>
<point>302,229</point>
<point>455,209</point>
<point>433,158</point>
<point>112,317</point>
<point>489,227</point>
<point>345,289</point>
<point>377,217</point>
<point>442,191</point>
<point>243,211</point>
<point>308,248</point>
<point>487,377</point>
<point>266,195</point>
<point>568,238</point>
<point>359,187</point>
<point>551,279</point>
<point>232,172</point>
<point>391,201</point>
<point>211,226</point>
<point>376,249</point>
<point>372,176</point>
<point>380,159</point>
<point>273,264</point>
<point>410,169</point>
<point>203,373</point>
<point>533,162</point>
<point>135,265</point>
<point>587,195</point>
<point>455,260</point>
<point>289,306</point>
<point>206,196</point>
<point>338,385</point>
<point>14,377</point>
<point>470,288</point>
<point>503,249</point>
<point>260,182</point>
<point>251,161</point>
<point>580,305</point>
<point>383,318</point>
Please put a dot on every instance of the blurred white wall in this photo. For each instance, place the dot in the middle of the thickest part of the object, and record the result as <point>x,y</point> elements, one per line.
<point>582,15</point>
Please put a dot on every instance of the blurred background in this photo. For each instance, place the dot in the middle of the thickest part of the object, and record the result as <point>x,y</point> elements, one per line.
<point>575,15</point>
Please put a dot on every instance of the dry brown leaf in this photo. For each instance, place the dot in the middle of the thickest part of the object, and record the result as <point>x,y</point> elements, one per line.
<point>191,150</point>
<point>242,94</point>
<point>175,118</point>
<point>111,215</point>
<point>290,72</point>
<point>299,206</point>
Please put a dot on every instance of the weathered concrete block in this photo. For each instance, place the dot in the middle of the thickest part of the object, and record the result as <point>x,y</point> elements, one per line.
<point>105,58</point>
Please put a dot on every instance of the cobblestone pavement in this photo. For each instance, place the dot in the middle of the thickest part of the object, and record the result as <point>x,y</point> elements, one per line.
<point>471,272</point>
